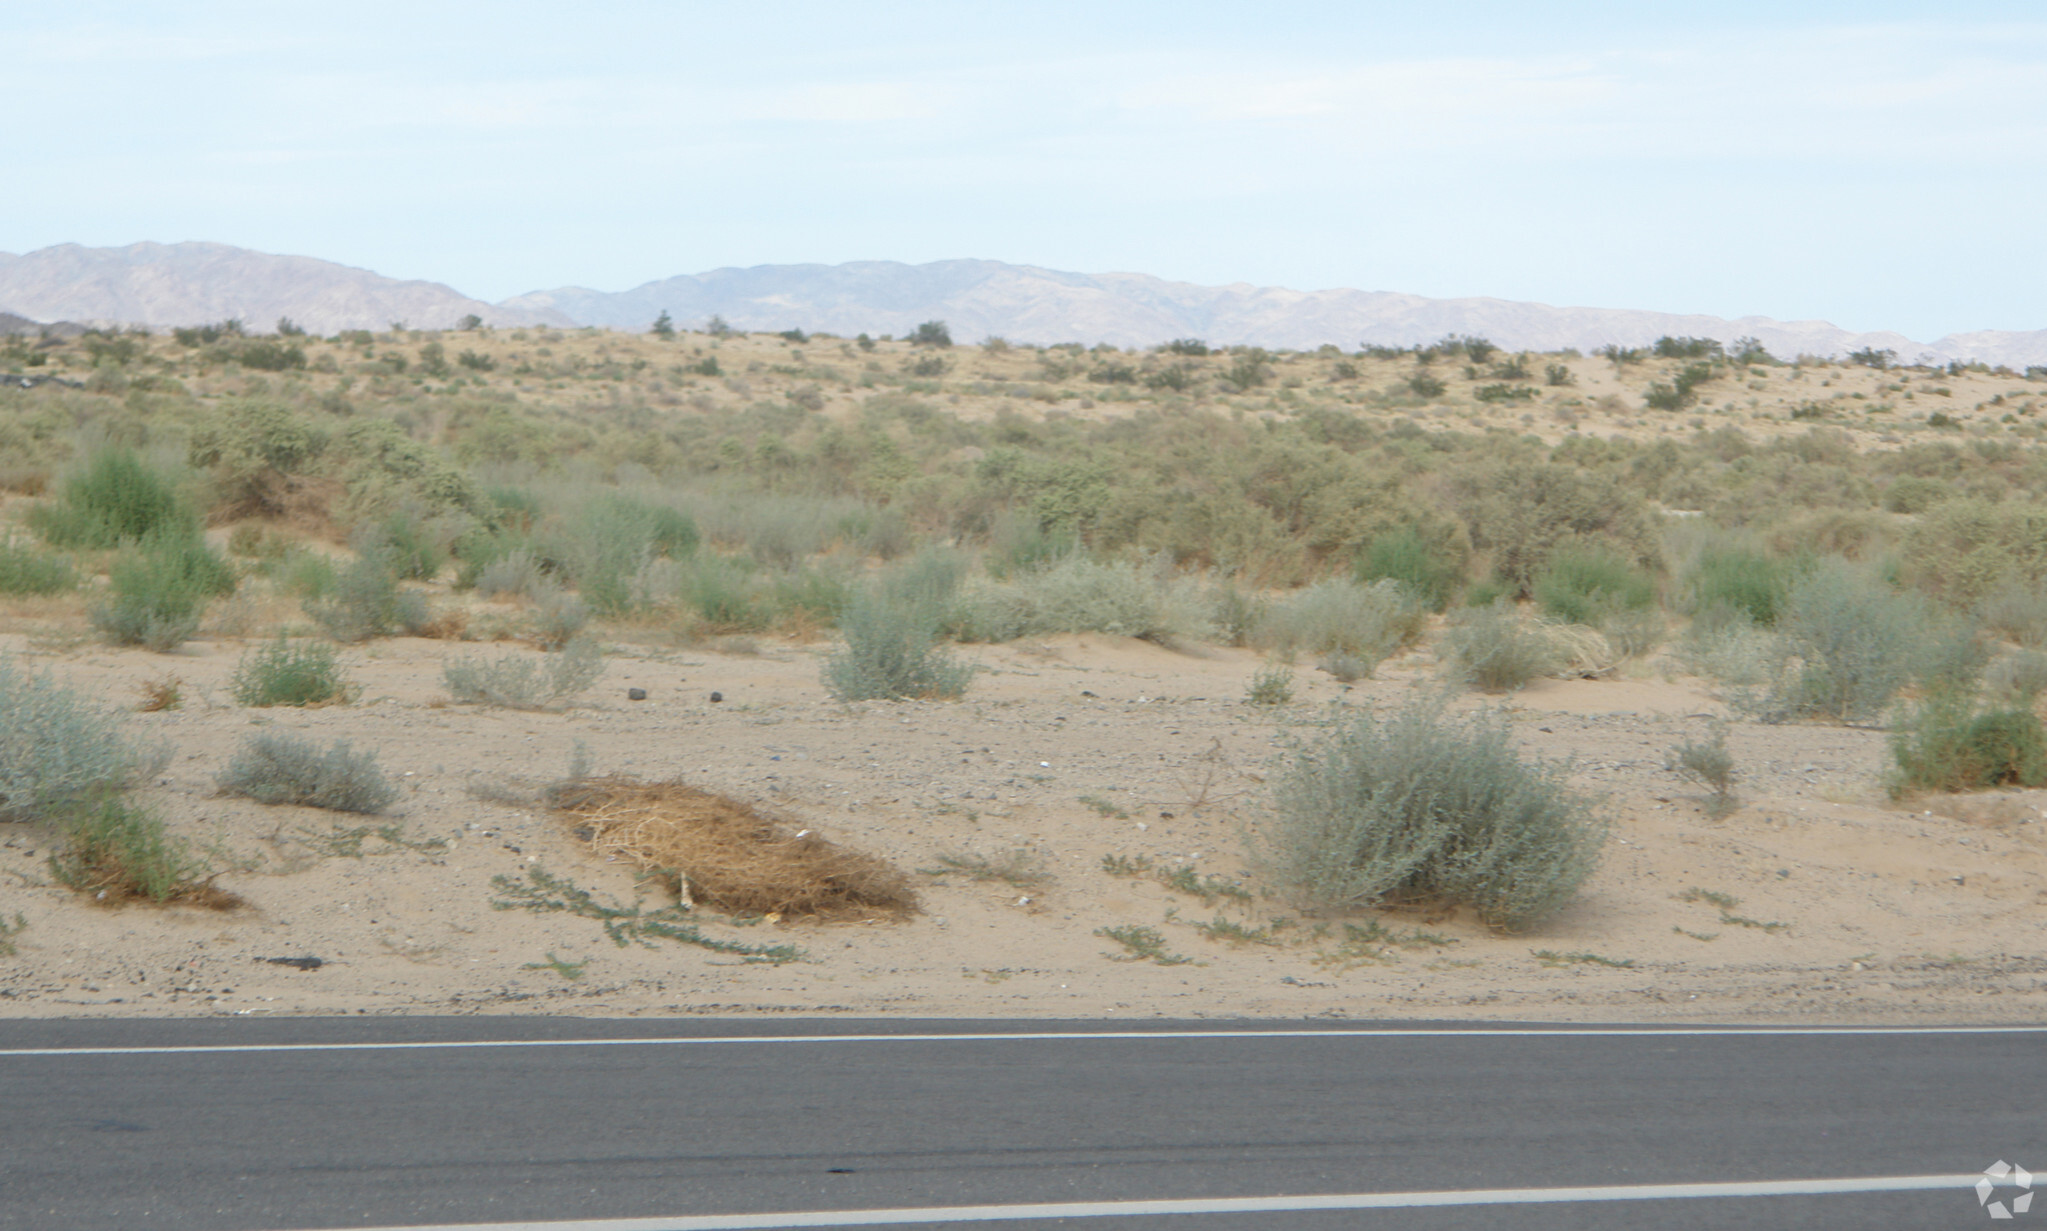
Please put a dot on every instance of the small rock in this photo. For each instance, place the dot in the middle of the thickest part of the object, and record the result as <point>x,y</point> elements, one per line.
<point>717,697</point>
<point>636,694</point>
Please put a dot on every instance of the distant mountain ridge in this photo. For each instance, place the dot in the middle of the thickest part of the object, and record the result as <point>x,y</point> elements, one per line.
<point>163,285</point>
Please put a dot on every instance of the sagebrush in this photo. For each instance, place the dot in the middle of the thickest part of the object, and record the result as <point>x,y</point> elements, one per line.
<point>277,768</point>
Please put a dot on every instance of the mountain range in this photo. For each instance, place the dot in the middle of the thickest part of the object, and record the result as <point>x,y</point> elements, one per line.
<point>163,285</point>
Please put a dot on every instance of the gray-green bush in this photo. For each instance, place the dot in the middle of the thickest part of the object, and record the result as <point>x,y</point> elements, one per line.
<point>116,498</point>
<point>891,652</point>
<point>1427,807</point>
<point>522,681</point>
<point>1852,643</point>
<point>1493,649</point>
<point>56,750</point>
<point>273,767</point>
<point>366,601</point>
<point>1076,594</point>
<point>25,570</point>
<point>158,590</point>
<point>1362,623</point>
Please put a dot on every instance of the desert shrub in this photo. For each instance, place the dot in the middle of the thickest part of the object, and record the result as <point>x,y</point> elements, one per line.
<point>1428,569</point>
<point>1962,551</point>
<point>1232,612</point>
<point>366,601</point>
<point>1723,644</point>
<point>558,618</point>
<point>55,750</point>
<point>723,593</point>
<point>525,682</point>
<point>516,574</point>
<point>24,570</point>
<point>891,652</point>
<point>1273,684</point>
<point>612,538</point>
<point>1077,594</point>
<point>304,575</point>
<point>1520,515</point>
<point>158,589</point>
<point>408,547</point>
<point>1943,745</point>
<point>276,768</point>
<point>1852,643</point>
<point>1583,584</point>
<point>1494,650</point>
<point>1424,807</point>
<point>931,333</point>
<point>1745,581</point>
<point>2017,679</point>
<point>1363,622</point>
<point>284,672</point>
<point>116,850</point>
<point>1708,763</point>
<point>1423,385</point>
<point>117,498</point>
<point>2016,612</point>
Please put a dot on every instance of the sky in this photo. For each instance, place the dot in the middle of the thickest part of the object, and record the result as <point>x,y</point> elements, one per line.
<point>1876,165</point>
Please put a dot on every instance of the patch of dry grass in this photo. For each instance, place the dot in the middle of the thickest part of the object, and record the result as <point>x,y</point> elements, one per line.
<point>725,855</point>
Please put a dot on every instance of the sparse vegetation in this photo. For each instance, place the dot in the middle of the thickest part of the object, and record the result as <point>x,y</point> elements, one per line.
<point>115,851</point>
<point>56,752</point>
<point>277,768</point>
<point>1708,763</point>
<point>524,681</point>
<point>1141,944</point>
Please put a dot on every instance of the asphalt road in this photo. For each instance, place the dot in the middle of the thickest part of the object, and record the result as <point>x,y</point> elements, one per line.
<point>745,1117</point>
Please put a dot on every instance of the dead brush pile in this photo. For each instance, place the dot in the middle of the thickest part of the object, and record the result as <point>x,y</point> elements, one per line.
<point>722,854</point>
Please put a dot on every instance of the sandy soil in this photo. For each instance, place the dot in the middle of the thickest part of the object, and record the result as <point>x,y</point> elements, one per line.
<point>1890,913</point>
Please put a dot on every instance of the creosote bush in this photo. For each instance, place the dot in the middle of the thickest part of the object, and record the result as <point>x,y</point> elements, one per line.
<point>284,672</point>
<point>1585,585</point>
<point>275,768</point>
<point>1424,807</point>
<point>117,498</point>
<point>1944,745</point>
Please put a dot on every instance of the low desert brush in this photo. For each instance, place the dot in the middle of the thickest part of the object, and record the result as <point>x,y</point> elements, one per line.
<point>1428,807</point>
<point>116,850</point>
<point>891,653</point>
<point>1708,763</point>
<point>524,681</point>
<point>276,768</point>
<point>56,751</point>
<point>1494,650</point>
<point>287,672</point>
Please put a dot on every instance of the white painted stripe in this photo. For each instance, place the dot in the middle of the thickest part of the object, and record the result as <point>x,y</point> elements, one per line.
<point>1227,1205</point>
<point>1654,1032</point>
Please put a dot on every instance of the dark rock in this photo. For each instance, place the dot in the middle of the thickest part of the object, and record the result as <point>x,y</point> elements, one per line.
<point>636,694</point>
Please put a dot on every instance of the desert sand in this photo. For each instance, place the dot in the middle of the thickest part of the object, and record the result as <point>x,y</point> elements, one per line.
<point>1848,907</point>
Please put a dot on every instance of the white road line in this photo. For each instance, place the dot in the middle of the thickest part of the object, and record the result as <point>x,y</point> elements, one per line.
<point>1024,1037</point>
<point>1226,1205</point>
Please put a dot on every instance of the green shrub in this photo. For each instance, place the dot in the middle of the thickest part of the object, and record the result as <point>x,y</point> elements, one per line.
<point>1962,551</point>
<point>891,653</point>
<point>1523,514</point>
<point>284,672</point>
<point>304,575</point>
<point>115,850</point>
<point>2018,679</point>
<point>159,588</point>
<point>2017,612</point>
<point>1366,623</point>
<point>1585,584</point>
<point>525,682</point>
<point>1943,746</point>
<point>275,768</point>
<point>1744,581</point>
<point>56,751</point>
<point>1853,643</point>
<point>516,574</point>
<point>1429,808</point>
<point>24,570</point>
<point>1494,650</point>
<point>366,601</point>
<point>558,618</point>
<point>118,498</point>
<point>1427,569</point>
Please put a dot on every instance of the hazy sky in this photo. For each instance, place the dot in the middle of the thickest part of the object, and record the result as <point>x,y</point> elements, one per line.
<point>1878,165</point>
